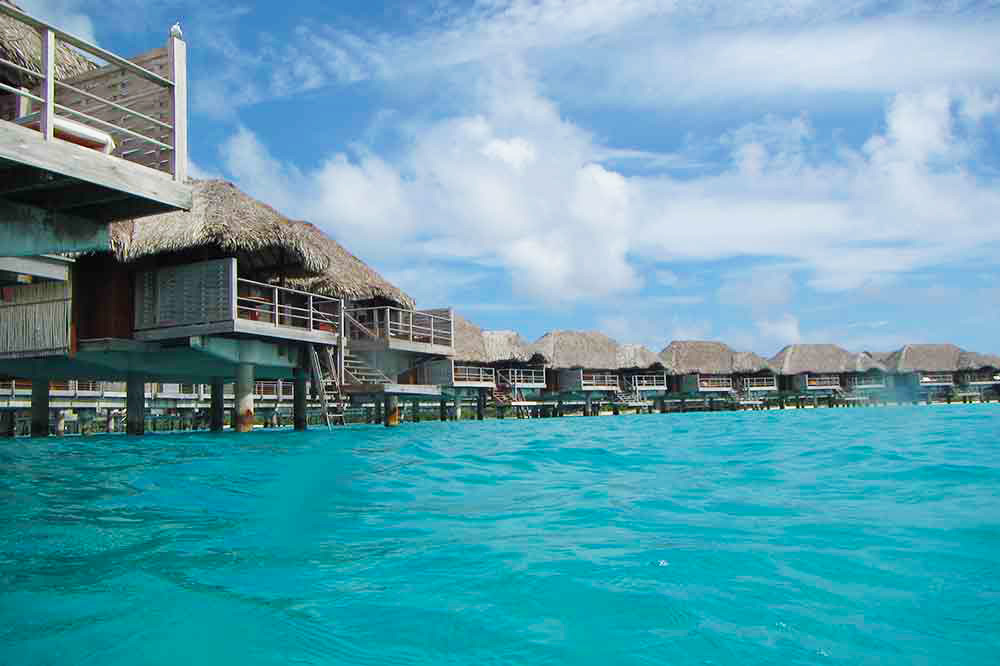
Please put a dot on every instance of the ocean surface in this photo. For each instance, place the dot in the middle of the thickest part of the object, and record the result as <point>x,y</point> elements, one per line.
<point>829,536</point>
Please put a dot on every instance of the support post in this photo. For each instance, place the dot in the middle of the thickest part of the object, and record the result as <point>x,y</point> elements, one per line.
<point>443,407</point>
<point>416,410</point>
<point>500,412</point>
<point>217,405</point>
<point>177,65</point>
<point>60,422</point>
<point>8,423</point>
<point>299,399</point>
<point>40,407</point>
<point>481,405</point>
<point>244,397</point>
<point>589,406</point>
<point>378,410</point>
<point>559,409</point>
<point>135,405</point>
<point>457,411</point>
<point>615,409</point>
<point>391,411</point>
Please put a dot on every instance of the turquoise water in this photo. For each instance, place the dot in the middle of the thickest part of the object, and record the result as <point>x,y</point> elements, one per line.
<point>861,536</point>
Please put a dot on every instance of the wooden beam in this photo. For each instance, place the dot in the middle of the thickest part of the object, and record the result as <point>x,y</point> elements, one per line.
<point>27,147</point>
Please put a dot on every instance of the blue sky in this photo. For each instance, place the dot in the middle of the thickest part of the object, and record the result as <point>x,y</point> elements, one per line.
<point>756,172</point>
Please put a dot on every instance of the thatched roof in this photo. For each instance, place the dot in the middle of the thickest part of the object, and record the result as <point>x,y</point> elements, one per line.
<point>348,277</point>
<point>976,361</point>
<point>683,357</point>
<point>578,349</point>
<point>21,44</point>
<point>469,343</point>
<point>925,358</point>
<point>750,363</point>
<point>797,359</point>
<point>636,356</point>
<point>506,346</point>
<point>225,221</point>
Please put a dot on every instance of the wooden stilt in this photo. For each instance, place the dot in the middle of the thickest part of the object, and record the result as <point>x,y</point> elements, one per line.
<point>40,407</point>
<point>217,405</point>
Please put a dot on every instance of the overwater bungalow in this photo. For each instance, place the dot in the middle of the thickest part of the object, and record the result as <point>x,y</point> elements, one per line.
<point>812,369</point>
<point>979,373</point>
<point>700,368</point>
<point>925,370</point>
<point>581,364</point>
<point>468,373</point>
<point>754,376</point>
<point>866,374</point>
<point>643,375</point>
<point>86,137</point>
<point>520,371</point>
<point>231,289</point>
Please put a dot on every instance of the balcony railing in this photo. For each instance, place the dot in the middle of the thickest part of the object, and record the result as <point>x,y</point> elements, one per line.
<point>469,373</point>
<point>522,376</point>
<point>287,308</point>
<point>765,383</point>
<point>432,327</point>
<point>823,381</point>
<point>865,382</point>
<point>937,379</point>
<point>133,109</point>
<point>981,378</point>
<point>599,379</point>
<point>714,383</point>
<point>656,381</point>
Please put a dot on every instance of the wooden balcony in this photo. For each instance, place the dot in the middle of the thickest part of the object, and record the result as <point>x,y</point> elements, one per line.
<point>759,383</point>
<point>984,378</point>
<point>207,298</point>
<point>937,379</point>
<point>419,331</point>
<point>865,382</point>
<point>522,378</point>
<point>656,381</point>
<point>822,382</point>
<point>77,152</point>
<point>715,383</point>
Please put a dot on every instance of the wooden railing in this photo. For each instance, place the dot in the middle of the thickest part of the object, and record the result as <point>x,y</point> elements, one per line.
<point>710,383</point>
<point>522,376</point>
<point>865,382</point>
<point>764,383</point>
<point>654,381</point>
<point>288,308</point>
<point>599,379</point>
<point>471,373</point>
<point>424,326</point>
<point>823,381</point>
<point>123,108</point>
<point>937,378</point>
<point>981,378</point>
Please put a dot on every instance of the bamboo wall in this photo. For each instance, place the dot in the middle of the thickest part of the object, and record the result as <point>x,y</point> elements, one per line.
<point>35,320</point>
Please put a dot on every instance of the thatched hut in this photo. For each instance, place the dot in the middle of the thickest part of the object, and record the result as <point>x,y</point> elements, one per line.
<point>580,360</point>
<point>979,372</point>
<point>925,369</point>
<point>826,368</point>
<point>753,374</point>
<point>22,45</point>
<point>699,366</point>
<point>518,367</point>
<point>223,224</point>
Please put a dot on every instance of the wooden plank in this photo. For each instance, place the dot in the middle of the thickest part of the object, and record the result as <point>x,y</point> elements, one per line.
<point>24,146</point>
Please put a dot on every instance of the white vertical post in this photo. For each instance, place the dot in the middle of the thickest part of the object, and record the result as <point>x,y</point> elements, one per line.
<point>177,65</point>
<point>47,114</point>
<point>310,312</point>
<point>274,305</point>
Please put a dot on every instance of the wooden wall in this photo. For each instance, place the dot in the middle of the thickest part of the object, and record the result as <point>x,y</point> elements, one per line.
<point>102,299</point>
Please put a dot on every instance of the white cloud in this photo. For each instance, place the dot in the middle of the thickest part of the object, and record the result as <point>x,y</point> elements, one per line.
<point>782,331</point>
<point>758,288</point>
<point>67,15</point>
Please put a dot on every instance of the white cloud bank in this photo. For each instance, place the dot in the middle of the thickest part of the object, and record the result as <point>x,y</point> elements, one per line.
<point>517,186</point>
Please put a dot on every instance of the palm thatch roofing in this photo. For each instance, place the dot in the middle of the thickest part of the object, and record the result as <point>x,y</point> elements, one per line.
<point>822,358</point>
<point>22,45</point>
<point>225,222</point>
<point>578,349</point>
<point>749,363</point>
<point>925,358</point>
<point>976,361</point>
<point>636,356</point>
<point>348,277</point>
<point>506,346</point>
<point>684,357</point>
<point>470,346</point>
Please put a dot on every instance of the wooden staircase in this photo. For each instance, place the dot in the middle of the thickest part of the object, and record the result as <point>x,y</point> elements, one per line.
<point>357,371</point>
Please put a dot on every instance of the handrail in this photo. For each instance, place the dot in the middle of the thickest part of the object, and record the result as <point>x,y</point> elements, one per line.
<point>287,314</point>
<point>111,110</point>
<point>388,322</point>
<point>473,373</point>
